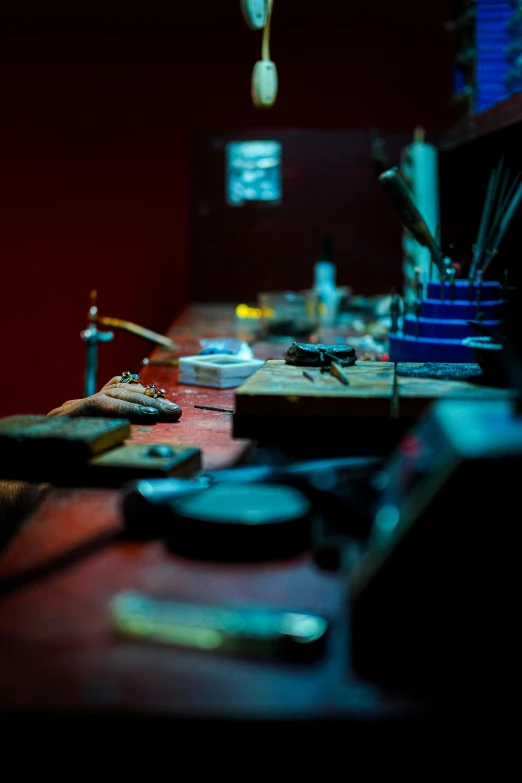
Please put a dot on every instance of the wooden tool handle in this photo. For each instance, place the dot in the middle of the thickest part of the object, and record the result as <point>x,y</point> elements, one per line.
<point>397,189</point>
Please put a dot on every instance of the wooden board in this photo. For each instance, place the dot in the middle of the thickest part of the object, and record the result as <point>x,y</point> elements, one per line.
<point>281,405</point>
<point>133,461</point>
<point>29,442</point>
<point>281,389</point>
<point>85,451</point>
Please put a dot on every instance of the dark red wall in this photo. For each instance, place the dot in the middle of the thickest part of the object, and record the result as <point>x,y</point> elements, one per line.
<point>329,186</point>
<point>97,110</point>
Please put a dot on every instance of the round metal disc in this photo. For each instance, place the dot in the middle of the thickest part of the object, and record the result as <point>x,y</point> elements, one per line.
<point>242,521</point>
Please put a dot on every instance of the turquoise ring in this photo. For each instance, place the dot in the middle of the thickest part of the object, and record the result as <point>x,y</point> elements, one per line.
<point>129,377</point>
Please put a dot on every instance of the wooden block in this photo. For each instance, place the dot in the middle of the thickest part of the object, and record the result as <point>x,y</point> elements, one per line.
<point>282,390</point>
<point>49,442</point>
<point>279,405</point>
<point>137,460</point>
<point>282,406</point>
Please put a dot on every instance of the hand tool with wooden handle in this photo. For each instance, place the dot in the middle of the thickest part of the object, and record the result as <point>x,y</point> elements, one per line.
<point>397,189</point>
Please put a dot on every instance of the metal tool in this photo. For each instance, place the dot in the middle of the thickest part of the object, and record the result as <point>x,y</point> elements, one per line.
<point>437,240</point>
<point>418,306</point>
<point>500,205</point>
<point>334,367</point>
<point>92,336</point>
<point>336,371</point>
<point>394,407</point>
<point>160,362</point>
<point>505,284</point>
<point>470,289</point>
<point>395,311</point>
<point>478,247</point>
<point>212,408</point>
<point>418,288</point>
<point>394,185</point>
<point>480,274</point>
<point>139,331</point>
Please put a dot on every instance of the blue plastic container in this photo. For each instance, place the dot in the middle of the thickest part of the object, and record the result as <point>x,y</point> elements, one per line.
<point>436,335</point>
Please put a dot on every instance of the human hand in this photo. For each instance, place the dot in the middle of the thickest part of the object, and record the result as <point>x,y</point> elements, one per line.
<point>121,400</point>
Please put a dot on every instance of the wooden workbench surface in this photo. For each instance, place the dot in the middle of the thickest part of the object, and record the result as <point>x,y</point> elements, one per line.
<point>61,570</point>
<point>58,575</point>
<point>208,430</point>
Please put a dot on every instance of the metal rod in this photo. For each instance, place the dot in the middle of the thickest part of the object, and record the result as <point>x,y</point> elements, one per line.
<point>394,312</point>
<point>488,203</point>
<point>212,408</point>
<point>91,367</point>
<point>307,375</point>
<point>505,285</point>
<point>501,209</point>
<point>504,225</point>
<point>502,192</point>
<point>160,362</point>
<point>92,336</point>
<point>479,293</point>
<point>394,407</point>
<point>140,331</point>
<point>437,240</point>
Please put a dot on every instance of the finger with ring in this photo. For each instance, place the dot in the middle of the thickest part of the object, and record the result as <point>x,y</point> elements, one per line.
<point>129,377</point>
<point>154,391</point>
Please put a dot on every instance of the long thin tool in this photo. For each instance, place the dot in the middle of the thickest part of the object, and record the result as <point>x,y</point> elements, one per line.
<point>478,247</point>
<point>92,337</point>
<point>140,331</point>
<point>160,362</point>
<point>394,407</point>
<point>507,200</point>
<point>212,408</point>
<point>503,202</point>
<point>397,189</point>
<point>336,369</point>
<point>501,231</point>
<point>337,372</point>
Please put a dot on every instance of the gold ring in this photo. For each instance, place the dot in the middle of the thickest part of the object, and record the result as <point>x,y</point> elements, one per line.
<point>154,391</point>
<point>129,377</point>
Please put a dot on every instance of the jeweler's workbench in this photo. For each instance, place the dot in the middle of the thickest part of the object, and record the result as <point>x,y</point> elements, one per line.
<point>59,573</point>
